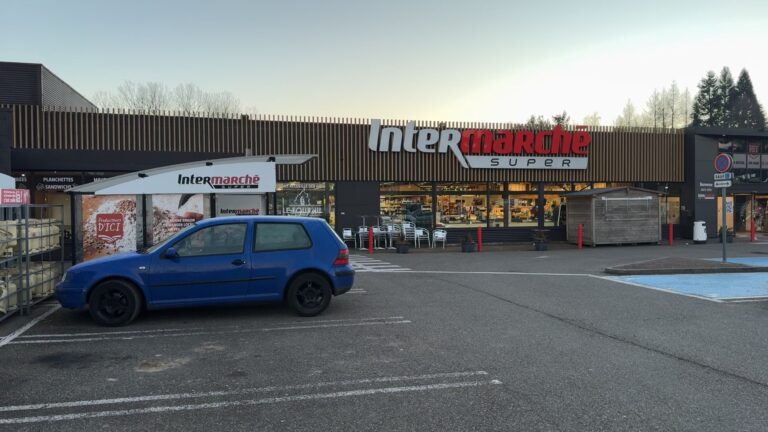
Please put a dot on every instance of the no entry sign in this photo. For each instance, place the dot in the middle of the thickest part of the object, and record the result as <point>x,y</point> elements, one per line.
<point>723,162</point>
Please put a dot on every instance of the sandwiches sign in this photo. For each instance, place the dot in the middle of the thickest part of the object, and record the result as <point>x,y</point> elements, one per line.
<point>484,148</point>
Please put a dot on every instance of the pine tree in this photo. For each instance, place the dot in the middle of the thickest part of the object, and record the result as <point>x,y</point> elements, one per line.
<point>706,107</point>
<point>745,109</point>
<point>725,90</point>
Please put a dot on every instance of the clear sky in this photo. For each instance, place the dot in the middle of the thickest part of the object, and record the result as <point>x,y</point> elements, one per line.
<point>431,60</point>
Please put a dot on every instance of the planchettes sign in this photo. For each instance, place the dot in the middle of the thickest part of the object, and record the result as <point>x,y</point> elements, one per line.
<point>484,148</point>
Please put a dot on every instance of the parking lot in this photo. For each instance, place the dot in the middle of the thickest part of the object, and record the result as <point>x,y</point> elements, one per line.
<point>492,341</point>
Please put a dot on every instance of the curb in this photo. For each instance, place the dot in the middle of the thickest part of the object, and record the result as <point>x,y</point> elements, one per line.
<point>666,271</point>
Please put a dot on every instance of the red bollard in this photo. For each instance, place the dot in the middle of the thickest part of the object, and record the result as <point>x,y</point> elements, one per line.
<point>479,239</point>
<point>670,234</point>
<point>370,239</point>
<point>752,234</point>
<point>579,235</point>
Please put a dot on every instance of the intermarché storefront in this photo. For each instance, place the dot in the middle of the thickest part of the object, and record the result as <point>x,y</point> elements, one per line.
<point>504,177</point>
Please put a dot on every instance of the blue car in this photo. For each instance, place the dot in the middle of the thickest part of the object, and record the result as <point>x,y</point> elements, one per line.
<point>300,261</point>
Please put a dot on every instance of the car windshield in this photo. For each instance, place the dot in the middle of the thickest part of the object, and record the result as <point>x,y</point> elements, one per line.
<point>170,239</point>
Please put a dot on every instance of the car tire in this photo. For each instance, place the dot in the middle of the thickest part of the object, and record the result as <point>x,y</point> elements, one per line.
<point>114,303</point>
<point>309,294</point>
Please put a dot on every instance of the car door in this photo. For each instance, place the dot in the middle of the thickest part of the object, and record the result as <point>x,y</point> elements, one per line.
<point>211,266</point>
<point>279,249</point>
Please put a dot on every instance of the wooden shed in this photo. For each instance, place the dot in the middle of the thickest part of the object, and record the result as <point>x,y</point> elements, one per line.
<point>622,215</point>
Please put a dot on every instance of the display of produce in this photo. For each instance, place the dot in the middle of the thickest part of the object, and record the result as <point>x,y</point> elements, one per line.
<point>30,255</point>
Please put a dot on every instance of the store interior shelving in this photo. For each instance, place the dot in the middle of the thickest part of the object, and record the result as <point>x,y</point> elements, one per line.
<point>31,258</point>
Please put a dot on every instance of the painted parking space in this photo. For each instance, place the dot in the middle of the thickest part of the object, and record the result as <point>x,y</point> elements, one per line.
<point>750,261</point>
<point>714,286</point>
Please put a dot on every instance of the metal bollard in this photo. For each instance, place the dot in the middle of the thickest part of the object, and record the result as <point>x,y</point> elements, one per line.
<point>670,234</point>
<point>479,239</point>
<point>370,240</point>
<point>579,235</point>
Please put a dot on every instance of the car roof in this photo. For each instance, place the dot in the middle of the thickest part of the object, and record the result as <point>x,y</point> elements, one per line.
<point>229,219</point>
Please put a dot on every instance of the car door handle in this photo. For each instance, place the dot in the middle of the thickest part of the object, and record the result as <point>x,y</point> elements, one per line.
<point>238,262</point>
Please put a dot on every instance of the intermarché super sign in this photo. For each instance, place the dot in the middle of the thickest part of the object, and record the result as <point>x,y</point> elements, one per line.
<point>485,148</point>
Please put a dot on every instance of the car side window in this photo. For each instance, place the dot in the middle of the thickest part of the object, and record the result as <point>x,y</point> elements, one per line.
<point>213,240</point>
<point>280,236</point>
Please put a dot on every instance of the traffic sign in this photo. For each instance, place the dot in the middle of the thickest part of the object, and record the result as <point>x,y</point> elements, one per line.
<point>722,183</point>
<point>723,162</point>
<point>724,176</point>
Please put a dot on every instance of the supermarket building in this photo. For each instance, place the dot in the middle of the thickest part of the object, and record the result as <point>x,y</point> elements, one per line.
<point>457,175</point>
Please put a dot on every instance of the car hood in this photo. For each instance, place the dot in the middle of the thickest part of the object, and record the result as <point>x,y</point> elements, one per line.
<point>109,259</point>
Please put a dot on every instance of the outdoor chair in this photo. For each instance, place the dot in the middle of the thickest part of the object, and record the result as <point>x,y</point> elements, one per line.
<point>409,231</point>
<point>348,235</point>
<point>439,235</point>
<point>362,235</point>
<point>419,235</point>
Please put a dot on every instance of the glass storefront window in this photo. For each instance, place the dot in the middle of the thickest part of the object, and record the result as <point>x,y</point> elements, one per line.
<point>407,202</point>
<point>462,210</point>
<point>303,199</point>
<point>522,210</point>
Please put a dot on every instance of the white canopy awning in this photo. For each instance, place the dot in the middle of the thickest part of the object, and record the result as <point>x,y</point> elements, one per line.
<point>229,175</point>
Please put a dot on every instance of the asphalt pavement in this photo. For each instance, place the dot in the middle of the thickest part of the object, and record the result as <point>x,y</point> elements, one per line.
<point>503,340</point>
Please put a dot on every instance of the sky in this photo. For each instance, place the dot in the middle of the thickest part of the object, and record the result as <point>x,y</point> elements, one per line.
<point>449,60</point>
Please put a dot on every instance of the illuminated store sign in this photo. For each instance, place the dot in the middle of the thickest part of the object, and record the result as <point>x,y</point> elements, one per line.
<point>485,148</point>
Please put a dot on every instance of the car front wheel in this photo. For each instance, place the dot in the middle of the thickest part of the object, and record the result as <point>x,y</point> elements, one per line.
<point>114,303</point>
<point>309,294</point>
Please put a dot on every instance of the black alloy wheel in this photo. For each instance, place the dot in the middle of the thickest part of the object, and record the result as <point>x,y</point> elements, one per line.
<point>114,303</point>
<point>309,294</point>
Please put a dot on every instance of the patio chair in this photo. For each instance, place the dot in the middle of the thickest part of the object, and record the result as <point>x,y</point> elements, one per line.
<point>409,231</point>
<point>393,232</point>
<point>379,234</point>
<point>348,235</point>
<point>362,235</point>
<point>439,235</point>
<point>421,234</point>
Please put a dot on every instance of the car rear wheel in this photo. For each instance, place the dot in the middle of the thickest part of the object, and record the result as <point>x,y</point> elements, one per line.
<point>309,294</point>
<point>114,303</point>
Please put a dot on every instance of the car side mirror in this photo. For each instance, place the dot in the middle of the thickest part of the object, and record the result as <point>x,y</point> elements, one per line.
<point>171,253</point>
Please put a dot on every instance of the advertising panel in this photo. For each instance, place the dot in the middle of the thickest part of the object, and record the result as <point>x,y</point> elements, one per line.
<point>753,161</point>
<point>109,225</point>
<point>240,205</point>
<point>174,212</point>
<point>739,160</point>
<point>232,178</point>
<point>14,196</point>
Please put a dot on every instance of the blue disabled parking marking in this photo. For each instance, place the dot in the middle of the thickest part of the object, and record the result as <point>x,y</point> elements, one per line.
<point>714,286</point>
<point>750,261</point>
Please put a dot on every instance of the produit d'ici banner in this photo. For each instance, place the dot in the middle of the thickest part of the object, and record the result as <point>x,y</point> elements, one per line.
<point>484,148</point>
<point>109,225</point>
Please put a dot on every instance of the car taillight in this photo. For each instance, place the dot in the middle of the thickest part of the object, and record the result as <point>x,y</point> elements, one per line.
<point>343,258</point>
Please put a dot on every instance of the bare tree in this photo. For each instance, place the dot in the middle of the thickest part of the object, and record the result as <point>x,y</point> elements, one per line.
<point>188,98</point>
<point>592,119</point>
<point>154,96</point>
<point>628,117</point>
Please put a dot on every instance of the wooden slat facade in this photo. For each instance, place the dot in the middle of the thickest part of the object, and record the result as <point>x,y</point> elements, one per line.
<point>615,155</point>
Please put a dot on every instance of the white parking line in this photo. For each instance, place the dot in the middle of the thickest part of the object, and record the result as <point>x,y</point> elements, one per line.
<point>9,339</point>
<point>269,389</point>
<point>227,404</point>
<point>611,278</point>
<point>268,329</point>
<point>202,328</point>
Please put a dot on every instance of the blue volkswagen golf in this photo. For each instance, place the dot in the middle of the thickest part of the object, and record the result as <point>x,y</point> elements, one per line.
<point>300,261</point>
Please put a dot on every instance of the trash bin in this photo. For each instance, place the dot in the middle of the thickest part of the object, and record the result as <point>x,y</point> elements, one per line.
<point>699,232</point>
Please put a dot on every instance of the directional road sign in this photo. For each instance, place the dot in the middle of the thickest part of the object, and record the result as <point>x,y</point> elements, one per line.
<point>724,176</point>
<point>722,183</point>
